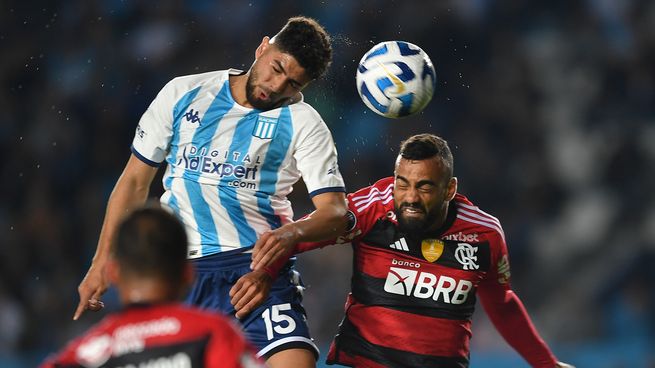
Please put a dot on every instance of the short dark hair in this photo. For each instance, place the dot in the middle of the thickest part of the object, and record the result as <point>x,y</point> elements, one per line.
<point>308,42</point>
<point>151,242</point>
<point>426,146</point>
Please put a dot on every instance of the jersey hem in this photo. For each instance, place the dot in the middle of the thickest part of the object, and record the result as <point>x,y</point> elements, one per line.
<point>293,342</point>
<point>327,190</point>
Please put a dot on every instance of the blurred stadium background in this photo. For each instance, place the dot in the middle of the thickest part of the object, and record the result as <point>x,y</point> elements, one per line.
<point>549,107</point>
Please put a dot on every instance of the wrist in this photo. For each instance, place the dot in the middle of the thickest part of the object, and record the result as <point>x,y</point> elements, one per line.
<point>270,271</point>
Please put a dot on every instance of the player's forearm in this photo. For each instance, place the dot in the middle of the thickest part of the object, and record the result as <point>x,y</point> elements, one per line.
<point>324,223</point>
<point>513,322</point>
<point>128,194</point>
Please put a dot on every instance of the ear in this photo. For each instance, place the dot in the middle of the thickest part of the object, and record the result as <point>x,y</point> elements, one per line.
<point>262,47</point>
<point>113,271</point>
<point>452,189</point>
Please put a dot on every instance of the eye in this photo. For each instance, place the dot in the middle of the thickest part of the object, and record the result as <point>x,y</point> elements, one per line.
<point>426,189</point>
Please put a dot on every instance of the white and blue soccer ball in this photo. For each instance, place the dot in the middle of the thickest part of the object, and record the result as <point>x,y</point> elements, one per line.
<point>396,79</point>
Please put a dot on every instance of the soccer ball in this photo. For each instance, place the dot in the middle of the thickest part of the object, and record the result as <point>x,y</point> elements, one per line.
<point>396,79</point>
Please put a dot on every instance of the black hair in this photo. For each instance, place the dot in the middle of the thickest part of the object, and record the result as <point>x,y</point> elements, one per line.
<point>151,242</point>
<point>426,146</point>
<point>308,42</point>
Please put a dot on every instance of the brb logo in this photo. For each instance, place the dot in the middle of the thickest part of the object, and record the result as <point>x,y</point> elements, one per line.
<point>425,285</point>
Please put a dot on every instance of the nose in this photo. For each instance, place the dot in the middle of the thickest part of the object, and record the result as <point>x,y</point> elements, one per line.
<point>411,195</point>
<point>278,83</point>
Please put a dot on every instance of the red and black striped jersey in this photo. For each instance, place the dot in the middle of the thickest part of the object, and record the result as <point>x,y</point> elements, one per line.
<point>412,298</point>
<point>170,335</point>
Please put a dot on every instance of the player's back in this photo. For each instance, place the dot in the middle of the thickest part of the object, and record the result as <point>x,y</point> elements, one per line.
<point>171,335</point>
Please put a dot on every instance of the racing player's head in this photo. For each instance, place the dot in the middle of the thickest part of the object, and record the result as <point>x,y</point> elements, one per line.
<point>424,183</point>
<point>285,64</point>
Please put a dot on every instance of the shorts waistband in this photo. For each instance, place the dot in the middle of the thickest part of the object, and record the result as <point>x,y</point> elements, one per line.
<point>222,261</point>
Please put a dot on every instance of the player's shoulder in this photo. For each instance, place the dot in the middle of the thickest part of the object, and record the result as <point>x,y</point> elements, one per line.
<point>471,216</point>
<point>302,112</point>
<point>184,83</point>
<point>375,197</point>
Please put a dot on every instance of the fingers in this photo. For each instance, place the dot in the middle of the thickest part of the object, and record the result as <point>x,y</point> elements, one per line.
<point>238,291</point>
<point>258,244</point>
<point>81,307</point>
<point>254,302</point>
<point>93,305</point>
<point>88,300</point>
<point>268,252</point>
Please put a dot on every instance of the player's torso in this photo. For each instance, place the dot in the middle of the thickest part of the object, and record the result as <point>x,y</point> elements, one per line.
<point>229,168</point>
<point>218,142</point>
<point>413,298</point>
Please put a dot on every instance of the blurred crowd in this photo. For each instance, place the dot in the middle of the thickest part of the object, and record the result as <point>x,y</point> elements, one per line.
<point>549,107</point>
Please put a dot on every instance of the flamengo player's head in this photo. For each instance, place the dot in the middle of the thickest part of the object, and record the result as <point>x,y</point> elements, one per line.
<point>148,260</point>
<point>301,52</point>
<point>424,183</point>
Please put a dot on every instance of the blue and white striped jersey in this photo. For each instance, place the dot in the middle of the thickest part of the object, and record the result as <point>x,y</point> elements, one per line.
<point>230,168</point>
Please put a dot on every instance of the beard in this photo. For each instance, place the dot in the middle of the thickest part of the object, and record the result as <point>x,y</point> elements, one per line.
<point>415,225</point>
<point>255,101</point>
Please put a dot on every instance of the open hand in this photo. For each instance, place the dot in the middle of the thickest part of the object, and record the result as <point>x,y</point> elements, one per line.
<point>249,292</point>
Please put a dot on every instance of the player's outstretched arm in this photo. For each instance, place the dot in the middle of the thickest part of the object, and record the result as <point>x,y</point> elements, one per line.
<point>131,190</point>
<point>328,221</point>
<point>509,316</point>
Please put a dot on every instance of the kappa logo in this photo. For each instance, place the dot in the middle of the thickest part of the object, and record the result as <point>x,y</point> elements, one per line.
<point>425,285</point>
<point>192,116</point>
<point>400,244</point>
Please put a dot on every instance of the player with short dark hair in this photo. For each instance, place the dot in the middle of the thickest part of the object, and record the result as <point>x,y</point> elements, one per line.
<point>149,267</point>
<point>423,255</point>
<point>234,144</point>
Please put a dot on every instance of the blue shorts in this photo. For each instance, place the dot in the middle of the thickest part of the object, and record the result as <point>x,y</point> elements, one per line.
<point>278,324</point>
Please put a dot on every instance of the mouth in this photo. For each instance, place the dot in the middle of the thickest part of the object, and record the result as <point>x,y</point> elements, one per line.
<point>412,211</point>
<point>264,95</point>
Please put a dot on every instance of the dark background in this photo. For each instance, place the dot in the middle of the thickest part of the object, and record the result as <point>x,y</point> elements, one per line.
<point>549,107</point>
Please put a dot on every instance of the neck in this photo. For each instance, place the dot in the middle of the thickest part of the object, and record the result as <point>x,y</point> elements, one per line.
<point>151,291</point>
<point>238,89</point>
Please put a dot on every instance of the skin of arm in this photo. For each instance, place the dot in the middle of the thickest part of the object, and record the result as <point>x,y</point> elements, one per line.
<point>131,190</point>
<point>329,220</point>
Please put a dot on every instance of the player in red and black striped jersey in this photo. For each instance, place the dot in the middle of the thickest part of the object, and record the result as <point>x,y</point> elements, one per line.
<point>423,254</point>
<point>149,267</point>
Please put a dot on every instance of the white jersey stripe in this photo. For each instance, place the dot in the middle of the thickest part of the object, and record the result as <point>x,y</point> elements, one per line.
<point>374,192</point>
<point>478,210</point>
<point>483,223</point>
<point>492,220</point>
<point>384,200</point>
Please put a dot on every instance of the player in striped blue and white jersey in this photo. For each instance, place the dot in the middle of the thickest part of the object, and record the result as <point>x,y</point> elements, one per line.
<point>234,144</point>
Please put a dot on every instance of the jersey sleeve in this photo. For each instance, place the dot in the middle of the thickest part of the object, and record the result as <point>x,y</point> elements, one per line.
<point>507,312</point>
<point>316,159</point>
<point>365,207</point>
<point>155,129</point>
